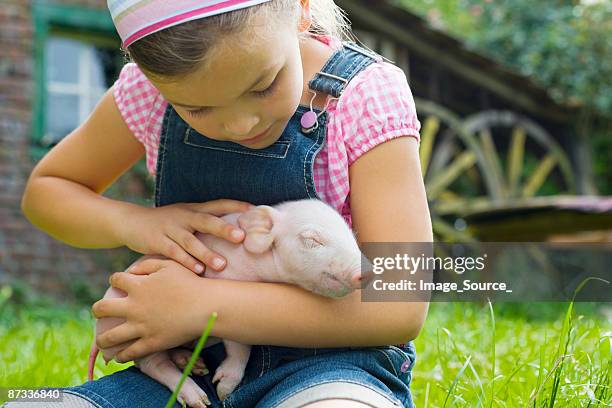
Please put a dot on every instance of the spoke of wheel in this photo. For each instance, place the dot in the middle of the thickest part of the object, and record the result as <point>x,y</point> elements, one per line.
<point>428,136</point>
<point>493,162</point>
<point>539,175</point>
<point>444,179</point>
<point>462,206</point>
<point>515,160</point>
<point>448,195</point>
<point>448,232</point>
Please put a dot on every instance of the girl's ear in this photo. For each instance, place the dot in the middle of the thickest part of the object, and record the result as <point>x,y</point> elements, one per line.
<point>257,223</point>
<point>305,18</point>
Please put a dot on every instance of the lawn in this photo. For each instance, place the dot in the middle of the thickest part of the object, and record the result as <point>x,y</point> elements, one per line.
<point>504,355</point>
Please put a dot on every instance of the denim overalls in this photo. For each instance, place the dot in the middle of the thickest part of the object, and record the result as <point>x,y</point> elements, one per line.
<point>193,168</point>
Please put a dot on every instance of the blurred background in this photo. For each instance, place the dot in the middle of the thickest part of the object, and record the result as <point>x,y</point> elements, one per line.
<point>515,101</point>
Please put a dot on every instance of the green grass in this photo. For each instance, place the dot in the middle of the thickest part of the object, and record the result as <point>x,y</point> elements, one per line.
<point>512,355</point>
<point>507,355</point>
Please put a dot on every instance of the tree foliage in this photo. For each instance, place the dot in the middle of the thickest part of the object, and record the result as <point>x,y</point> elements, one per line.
<point>564,45</point>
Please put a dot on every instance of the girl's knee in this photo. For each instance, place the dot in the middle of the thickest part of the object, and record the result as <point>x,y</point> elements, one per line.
<point>337,403</point>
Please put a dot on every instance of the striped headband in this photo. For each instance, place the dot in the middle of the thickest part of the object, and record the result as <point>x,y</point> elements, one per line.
<point>135,19</point>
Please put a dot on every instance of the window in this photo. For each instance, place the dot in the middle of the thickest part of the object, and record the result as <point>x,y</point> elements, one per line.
<point>78,57</point>
<point>77,73</point>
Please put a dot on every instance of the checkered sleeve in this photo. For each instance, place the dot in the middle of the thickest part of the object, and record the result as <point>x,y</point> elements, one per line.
<point>142,108</point>
<point>380,107</point>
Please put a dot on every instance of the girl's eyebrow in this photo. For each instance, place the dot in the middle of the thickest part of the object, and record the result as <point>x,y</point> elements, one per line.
<point>261,78</point>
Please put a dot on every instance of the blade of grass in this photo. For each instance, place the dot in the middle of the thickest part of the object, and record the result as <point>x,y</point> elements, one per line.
<point>456,380</point>
<point>192,360</point>
<point>482,394</point>
<point>541,387</point>
<point>564,340</point>
<point>458,352</point>
<point>603,383</point>
<point>492,352</point>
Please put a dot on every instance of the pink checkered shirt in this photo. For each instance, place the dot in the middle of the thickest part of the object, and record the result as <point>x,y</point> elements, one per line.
<point>376,106</point>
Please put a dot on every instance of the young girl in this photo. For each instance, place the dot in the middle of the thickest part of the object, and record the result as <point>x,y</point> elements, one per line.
<point>239,103</point>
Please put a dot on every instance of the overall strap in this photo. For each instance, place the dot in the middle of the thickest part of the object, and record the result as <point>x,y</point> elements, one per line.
<point>341,67</point>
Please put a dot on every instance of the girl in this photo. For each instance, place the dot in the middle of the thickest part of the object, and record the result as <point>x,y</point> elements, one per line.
<point>239,103</point>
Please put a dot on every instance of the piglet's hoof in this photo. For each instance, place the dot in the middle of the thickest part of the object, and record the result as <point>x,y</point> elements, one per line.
<point>228,378</point>
<point>192,395</point>
<point>180,357</point>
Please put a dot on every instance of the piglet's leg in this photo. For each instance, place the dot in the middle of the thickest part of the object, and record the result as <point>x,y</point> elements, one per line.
<point>159,367</point>
<point>231,370</point>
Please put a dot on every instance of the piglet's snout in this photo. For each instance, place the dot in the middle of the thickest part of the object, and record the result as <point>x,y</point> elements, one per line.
<point>361,277</point>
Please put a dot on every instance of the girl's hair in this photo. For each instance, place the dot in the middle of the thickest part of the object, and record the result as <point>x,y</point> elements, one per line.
<point>180,50</point>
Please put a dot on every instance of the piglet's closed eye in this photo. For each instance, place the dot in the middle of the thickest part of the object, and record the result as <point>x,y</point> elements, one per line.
<point>311,239</point>
<point>257,224</point>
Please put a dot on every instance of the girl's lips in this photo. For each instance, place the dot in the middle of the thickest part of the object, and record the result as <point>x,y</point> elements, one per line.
<point>255,138</point>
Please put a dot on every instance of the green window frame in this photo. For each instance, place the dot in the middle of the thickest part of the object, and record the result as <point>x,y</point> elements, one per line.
<point>91,25</point>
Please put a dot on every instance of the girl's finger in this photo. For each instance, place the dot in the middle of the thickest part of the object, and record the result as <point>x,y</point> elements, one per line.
<point>196,248</point>
<point>214,225</point>
<point>224,206</point>
<point>116,336</point>
<point>173,250</point>
<point>115,349</point>
<point>137,350</point>
<point>147,266</point>
<point>110,307</point>
<point>122,280</point>
<point>143,259</point>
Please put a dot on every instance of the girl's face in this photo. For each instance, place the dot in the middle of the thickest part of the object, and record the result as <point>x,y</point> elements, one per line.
<point>245,91</point>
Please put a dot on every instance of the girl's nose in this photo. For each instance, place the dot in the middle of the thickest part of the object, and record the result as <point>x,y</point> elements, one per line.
<point>242,127</point>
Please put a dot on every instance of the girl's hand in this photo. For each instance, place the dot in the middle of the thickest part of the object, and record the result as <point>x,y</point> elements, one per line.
<point>170,231</point>
<point>159,309</point>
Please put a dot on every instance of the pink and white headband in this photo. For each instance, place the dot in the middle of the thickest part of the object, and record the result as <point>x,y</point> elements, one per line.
<point>135,19</point>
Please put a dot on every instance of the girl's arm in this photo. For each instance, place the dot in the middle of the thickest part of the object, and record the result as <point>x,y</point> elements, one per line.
<point>388,204</point>
<point>63,197</point>
<point>63,194</point>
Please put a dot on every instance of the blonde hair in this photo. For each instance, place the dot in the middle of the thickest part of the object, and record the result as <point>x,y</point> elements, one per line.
<point>180,50</point>
<point>329,19</point>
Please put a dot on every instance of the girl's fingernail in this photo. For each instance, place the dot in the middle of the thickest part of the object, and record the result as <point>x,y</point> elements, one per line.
<point>218,262</point>
<point>199,268</point>
<point>237,233</point>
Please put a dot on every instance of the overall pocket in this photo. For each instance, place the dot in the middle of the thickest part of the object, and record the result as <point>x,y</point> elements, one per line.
<point>277,150</point>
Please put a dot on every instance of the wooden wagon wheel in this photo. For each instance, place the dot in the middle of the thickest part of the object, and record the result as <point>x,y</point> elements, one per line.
<point>462,167</point>
<point>457,153</point>
<point>524,142</point>
<point>504,130</point>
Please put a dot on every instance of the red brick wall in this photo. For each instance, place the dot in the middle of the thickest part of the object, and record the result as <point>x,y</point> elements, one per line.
<point>26,253</point>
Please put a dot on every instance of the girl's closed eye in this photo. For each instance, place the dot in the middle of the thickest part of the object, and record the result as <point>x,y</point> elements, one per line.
<point>268,91</point>
<point>259,94</point>
<point>198,112</point>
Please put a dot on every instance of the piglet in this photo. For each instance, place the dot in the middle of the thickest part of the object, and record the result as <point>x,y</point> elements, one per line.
<point>303,242</point>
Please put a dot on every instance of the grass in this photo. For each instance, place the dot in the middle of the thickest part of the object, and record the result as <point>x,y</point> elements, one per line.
<point>469,355</point>
<point>509,355</point>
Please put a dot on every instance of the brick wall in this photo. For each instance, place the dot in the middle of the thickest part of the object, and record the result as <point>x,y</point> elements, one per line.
<point>26,253</point>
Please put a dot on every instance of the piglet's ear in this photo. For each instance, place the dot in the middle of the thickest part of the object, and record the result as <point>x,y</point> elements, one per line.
<point>257,223</point>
